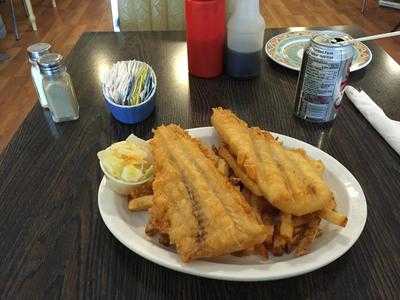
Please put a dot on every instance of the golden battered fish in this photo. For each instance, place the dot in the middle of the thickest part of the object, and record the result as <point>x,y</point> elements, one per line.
<point>234,132</point>
<point>288,179</point>
<point>203,214</point>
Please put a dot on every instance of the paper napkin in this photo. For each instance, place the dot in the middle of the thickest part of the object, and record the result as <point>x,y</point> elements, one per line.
<point>389,129</point>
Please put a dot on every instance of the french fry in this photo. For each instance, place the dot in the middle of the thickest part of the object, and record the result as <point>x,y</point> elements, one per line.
<point>297,237</point>
<point>142,190</point>
<point>297,230</point>
<point>331,204</point>
<point>141,203</point>
<point>260,204</point>
<point>279,244</point>
<point>249,196</point>
<point>333,217</point>
<point>223,167</point>
<point>286,228</point>
<point>309,236</point>
<point>269,226</point>
<point>209,152</point>
<point>250,184</point>
<point>301,220</point>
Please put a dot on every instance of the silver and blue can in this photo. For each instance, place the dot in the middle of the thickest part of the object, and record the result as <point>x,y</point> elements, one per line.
<point>323,76</point>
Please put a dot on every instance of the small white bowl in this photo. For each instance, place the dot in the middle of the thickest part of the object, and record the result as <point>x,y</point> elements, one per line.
<point>119,186</point>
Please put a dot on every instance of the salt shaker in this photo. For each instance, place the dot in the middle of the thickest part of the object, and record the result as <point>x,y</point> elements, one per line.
<point>58,88</point>
<point>35,51</point>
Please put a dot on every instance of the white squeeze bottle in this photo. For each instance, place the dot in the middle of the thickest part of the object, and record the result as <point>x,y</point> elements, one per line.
<point>245,40</point>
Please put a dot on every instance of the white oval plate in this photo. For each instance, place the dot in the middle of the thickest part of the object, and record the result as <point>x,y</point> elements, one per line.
<point>128,227</point>
<point>287,48</point>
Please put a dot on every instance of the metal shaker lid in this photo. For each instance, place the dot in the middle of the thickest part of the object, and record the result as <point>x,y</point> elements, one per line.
<point>37,50</point>
<point>51,63</point>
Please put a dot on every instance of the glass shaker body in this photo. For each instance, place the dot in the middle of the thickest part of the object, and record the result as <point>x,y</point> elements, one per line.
<point>37,79</point>
<point>60,95</point>
<point>34,52</point>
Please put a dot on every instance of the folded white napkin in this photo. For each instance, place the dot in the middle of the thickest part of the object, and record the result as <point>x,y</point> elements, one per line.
<point>389,129</point>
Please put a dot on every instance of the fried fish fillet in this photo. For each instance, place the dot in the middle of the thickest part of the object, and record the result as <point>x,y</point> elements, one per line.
<point>203,214</point>
<point>234,132</point>
<point>287,178</point>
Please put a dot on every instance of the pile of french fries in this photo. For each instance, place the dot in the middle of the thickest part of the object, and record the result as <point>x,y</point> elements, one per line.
<point>286,233</point>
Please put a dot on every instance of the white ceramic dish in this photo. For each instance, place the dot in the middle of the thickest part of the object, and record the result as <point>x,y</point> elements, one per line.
<point>128,228</point>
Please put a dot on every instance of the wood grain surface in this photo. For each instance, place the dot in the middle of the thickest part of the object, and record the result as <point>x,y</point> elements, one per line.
<point>62,26</point>
<point>53,243</point>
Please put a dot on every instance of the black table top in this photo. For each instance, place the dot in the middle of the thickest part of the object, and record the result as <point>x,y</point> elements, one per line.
<point>54,243</point>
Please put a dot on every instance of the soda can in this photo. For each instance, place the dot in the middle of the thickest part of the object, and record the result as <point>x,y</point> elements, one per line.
<point>323,76</point>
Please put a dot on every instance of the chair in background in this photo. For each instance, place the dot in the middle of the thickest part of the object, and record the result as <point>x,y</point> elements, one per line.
<point>142,15</point>
<point>3,56</point>
<point>14,20</point>
<point>29,13</point>
<point>392,4</point>
<point>364,6</point>
<point>386,3</point>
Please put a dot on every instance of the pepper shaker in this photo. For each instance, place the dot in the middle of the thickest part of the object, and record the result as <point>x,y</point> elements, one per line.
<point>58,88</point>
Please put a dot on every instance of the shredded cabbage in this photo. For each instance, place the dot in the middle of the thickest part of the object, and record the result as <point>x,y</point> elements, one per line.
<point>129,160</point>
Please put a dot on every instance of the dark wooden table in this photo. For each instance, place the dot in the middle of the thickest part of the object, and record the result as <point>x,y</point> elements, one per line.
<point>53,242</point>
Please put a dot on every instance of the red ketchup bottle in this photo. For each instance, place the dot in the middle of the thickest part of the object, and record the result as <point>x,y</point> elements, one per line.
<point>205,36</point>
